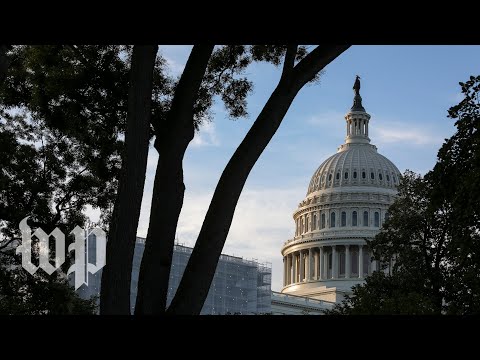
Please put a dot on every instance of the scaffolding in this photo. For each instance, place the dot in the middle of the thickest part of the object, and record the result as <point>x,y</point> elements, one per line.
<point>240,286</point>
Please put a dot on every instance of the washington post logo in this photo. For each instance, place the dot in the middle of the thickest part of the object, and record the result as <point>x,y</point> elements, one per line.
<point>81,267</point>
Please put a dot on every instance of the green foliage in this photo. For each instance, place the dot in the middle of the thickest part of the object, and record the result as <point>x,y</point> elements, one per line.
<point>39,294</point>
<point>62,121</point>
<point>225,78</point>
<point>433,232</point>
<point>383,294</point>
<point>458,174</point>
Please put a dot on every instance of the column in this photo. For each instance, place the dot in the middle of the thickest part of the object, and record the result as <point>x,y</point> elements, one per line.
<point>360,261</point>
<point>294,268</point>
<point>309,264</point>
<point>302,266</point>
<point>289,267</point>
<point>284,271</point>
<point>334,262</point>
<point>315,270</point>
<point>321,261</point>
<point>347,262</point>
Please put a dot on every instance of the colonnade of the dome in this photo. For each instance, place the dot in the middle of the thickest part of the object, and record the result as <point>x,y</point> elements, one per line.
<point>327,262</point>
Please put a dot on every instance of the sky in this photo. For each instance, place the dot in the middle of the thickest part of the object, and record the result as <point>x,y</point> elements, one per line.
<point>407,90</point>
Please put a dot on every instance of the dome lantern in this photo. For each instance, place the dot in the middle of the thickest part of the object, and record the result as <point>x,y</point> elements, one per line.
<point>357,119</point>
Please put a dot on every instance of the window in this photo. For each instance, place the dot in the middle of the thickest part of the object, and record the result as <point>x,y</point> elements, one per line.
<point>332,219</point>
<point>372,175</point>
<point>346,175</point>
<point>354,174</point>
<point>388,177</point>
<point>314,222</point>
<point>380,176</point>
<point>338,176</point>
<point>354,218</point>
<point>344,219</point>
<point>365,218</point>
<point>329,177</point>
<point>377,219</point>
<point>354,262</point>
<point>342,264</point>
<point>366,262</point>
<point>306,223</point>
<point>364,175</point>
<point>329,266</point>
<point>323,221</point>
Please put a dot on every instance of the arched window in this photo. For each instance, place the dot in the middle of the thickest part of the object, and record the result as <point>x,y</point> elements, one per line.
<point>323,221</point>
<point>388,177</point>
<point>329,177</point>
<point>346,175</point>
<point>365,218</point>
<point>354,174</point>
<point>314,222</point>
<point>372,175</point>
<point>377,219</point>
<point>354,218</point>
<point>380,176</point>
<point>338,176</point>
<point>364,174</point>
<point>344,219</point>
<point>332,219</point>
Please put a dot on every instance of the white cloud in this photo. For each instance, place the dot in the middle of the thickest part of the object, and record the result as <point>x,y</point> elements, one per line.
<point>332,120</point>
<point>399,133</point>
<point>176,57</point>
<point>175,67</point>
<point>147,192</point>
<point>261,224</point>
<point>206,136</point>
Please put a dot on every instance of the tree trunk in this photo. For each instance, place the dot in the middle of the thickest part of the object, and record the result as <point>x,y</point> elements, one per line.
<point>168,188</point>
<point>3,62</point>
<point>116,277</point>
<point>198,275</point>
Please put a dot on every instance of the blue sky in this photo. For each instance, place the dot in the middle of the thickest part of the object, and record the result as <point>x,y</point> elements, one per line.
<point>407,90</point>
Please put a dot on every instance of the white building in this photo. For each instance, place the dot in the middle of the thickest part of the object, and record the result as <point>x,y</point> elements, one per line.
<point>289,304</point>
<point>346,203</point>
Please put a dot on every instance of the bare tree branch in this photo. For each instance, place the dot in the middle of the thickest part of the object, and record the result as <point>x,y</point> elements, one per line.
<point>315,61</point>
<point>289,62</point>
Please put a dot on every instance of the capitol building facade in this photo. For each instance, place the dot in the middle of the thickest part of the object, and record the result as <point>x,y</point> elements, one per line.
<point>346,203</point>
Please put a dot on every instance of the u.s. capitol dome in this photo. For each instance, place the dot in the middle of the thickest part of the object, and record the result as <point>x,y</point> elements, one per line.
<point>346,203</point>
